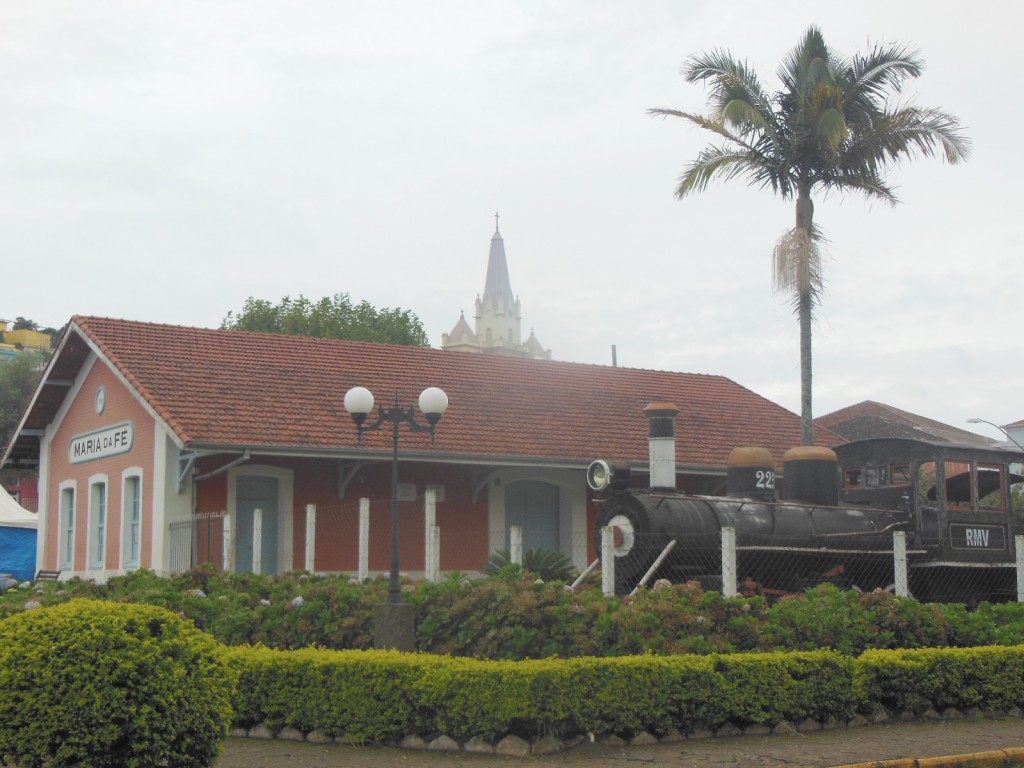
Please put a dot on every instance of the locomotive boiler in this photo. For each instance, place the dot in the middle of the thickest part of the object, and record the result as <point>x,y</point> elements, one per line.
<point>834,519</point>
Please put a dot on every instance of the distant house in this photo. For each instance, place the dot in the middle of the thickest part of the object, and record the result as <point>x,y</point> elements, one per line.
<point>157,444</point>
<point>1015,431</point>
<point>870,419</point>
<point>13,343</point>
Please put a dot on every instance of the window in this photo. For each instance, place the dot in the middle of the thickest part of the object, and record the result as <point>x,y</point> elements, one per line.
<point>992,487</point>
<point>959,488</point>
<point>900,474</point>
<point>927,491</point>
<point>67,528</point>
<point>97,524</point>
<point>853,477</point>
<point>131,520</point>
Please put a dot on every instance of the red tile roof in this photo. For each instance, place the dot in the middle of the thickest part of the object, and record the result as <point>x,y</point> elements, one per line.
<point>870,419</point>
<point>218,388</point>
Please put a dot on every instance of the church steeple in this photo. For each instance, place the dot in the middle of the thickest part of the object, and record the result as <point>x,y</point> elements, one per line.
<point>497,313</point>
<point>497,316</point>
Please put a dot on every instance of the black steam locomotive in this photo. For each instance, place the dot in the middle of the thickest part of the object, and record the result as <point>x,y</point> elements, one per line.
<point>958,505</point>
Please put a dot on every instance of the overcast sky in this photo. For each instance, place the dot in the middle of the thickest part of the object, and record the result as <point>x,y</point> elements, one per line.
<point>163,161</point>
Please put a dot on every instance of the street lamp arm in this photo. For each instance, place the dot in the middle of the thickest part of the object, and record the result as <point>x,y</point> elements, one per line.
<point>395,415</point>
<point>976,420</point>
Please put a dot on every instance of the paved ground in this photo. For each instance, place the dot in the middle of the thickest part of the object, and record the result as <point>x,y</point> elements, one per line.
<point>814,750</point>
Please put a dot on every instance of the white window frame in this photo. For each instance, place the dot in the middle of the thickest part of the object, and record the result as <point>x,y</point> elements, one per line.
<point>66,525</point>
<point>99,521</point>
<point>129,522</point>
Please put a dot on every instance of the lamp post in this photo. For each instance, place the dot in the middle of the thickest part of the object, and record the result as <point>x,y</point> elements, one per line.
<point>976,420</point>
<point>395,621</point>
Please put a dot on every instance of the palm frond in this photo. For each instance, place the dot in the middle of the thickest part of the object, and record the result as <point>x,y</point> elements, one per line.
<point>701,121</point>
<point>726,163</point>
<point>883,70</point>
<point>893,136</point>
<point>810,63</point>
<point>870,185</point>
<point>731,83</point>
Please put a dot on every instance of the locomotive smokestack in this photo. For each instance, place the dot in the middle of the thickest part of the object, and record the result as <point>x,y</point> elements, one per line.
<point>661,422</point>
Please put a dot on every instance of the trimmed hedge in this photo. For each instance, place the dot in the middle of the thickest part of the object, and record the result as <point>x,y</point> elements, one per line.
<point>962,678</point>
<point>110,685</point>
<point>379,696</point>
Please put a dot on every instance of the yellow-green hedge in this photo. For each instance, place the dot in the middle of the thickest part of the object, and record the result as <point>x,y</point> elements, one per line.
<point>988,678</point>
<point>377,696</point>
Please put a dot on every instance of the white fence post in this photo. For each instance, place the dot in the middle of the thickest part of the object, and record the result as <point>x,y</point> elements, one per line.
<point>899,563</point>
<point>257,541</point>
<point>311,537</point>
<point>434,548</point>
<point>226,560</point>
<point>608,561</point>
<point>728,562</point>
<point>430,554</point>
<point>1018,542</point>
<point>515,544</point>
<point>364,539</point>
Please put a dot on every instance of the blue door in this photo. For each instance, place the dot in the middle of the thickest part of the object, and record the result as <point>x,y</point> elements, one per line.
<point>256,492</point>
<point>534,506</point>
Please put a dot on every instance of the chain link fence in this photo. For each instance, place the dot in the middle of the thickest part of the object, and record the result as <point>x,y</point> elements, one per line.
<point>355,538</point>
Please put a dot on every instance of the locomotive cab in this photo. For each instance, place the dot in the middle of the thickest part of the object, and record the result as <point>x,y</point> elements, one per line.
<point>965,501</point>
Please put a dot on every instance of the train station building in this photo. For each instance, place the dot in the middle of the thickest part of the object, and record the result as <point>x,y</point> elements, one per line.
<point>155,444</point>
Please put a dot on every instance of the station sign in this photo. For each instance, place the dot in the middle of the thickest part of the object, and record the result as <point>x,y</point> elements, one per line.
<point>101,443</point>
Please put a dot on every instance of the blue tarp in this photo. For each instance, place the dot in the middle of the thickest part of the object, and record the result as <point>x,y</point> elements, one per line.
<point>18,552</point>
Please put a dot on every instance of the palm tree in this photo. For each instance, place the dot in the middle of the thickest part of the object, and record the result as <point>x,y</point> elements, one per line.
<point>832,127</point>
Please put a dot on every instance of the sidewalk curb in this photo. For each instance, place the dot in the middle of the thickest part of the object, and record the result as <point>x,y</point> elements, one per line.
<point>999,758</point>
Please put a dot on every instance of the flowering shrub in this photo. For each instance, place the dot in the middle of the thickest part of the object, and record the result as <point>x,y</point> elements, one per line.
<point>516,616</point>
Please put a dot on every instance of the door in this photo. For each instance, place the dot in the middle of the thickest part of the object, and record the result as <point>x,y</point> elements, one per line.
<point>256,492</point>
<point>534,506</point>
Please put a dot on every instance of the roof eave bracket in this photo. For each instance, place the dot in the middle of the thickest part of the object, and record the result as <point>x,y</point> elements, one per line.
<point>480,480</point>
<point>186,461</point>
<point>347,471</point>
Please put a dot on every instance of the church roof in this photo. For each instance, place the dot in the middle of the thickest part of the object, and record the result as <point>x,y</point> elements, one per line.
<point>461,332</point>
<point>534,347</point>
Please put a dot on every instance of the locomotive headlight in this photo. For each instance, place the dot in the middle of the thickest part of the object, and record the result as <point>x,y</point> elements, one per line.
<point>602,476</point>
<point>599,474</point>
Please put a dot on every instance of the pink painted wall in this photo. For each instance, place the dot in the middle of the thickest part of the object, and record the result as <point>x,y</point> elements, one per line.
<point>120,406</point>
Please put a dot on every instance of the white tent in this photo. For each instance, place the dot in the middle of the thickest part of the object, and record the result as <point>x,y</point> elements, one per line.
<point>13,515</point>
<point>17,538</point>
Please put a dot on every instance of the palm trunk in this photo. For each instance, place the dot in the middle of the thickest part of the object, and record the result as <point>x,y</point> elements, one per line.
<point>805,220</point>
<point>806,418</point>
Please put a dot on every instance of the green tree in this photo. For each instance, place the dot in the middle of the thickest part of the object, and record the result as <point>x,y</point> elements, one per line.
<point>834,126</point>
<point>332,317</point>
<point>18,379</point>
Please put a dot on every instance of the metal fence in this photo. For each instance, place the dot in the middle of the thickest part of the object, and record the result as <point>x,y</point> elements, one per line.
<point>717,561</point>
